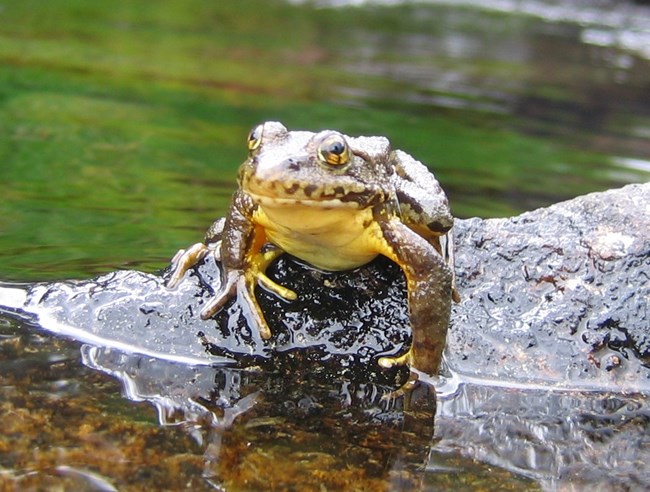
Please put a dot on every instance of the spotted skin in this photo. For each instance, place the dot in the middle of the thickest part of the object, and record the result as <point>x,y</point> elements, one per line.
<point>335,202</point>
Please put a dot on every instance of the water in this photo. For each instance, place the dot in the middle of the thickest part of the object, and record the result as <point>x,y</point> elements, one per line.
<point>121,128</point>
<point>124,127</point>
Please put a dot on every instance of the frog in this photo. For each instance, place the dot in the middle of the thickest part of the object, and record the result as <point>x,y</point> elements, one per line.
<point>335,202</point>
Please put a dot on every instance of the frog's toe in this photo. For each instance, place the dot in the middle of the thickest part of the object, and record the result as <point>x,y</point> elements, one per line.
<point>276,288</point>
<point>253,313</point>
<point>220,299</point>
<point>260,264</point>
<point>213,306</point>
<point>183,260</point>
<point>402,360</point>
<point>240,284</point>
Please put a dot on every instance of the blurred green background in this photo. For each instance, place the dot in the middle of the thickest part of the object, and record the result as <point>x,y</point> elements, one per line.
<point>122,124</point>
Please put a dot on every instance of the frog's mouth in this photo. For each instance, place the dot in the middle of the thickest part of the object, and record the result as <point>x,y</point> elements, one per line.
<point>276,194</point>
<point>284,202</point>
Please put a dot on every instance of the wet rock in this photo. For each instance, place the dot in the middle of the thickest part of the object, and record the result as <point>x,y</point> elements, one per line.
<point>557,295</point>
<point>565,440</point>
<point>342,321</point>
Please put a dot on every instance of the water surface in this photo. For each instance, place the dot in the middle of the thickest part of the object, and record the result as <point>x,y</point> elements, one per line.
<point>122,128</point>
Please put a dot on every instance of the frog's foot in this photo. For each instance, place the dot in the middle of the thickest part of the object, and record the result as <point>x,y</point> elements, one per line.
<point>228,290</point>
<point>262,261</point>
<point>242,285</point>
<point>185,259</point>
<point>402,360</point>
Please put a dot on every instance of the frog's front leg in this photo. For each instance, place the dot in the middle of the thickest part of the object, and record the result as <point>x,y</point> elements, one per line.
<point>245,263</point>
<point>429,283</point>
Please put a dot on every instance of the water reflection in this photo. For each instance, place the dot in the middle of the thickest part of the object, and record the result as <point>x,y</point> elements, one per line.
<point>622,24</point>
<point>285,428</point>
<point>347,433</point>
<point>443,56</point>
<point>299,426</point>
<point>563,439</point>
<point>433,58</point>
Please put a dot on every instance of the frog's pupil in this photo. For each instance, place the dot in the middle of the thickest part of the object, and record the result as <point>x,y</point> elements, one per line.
<point>337,148</point>
<point>333,151</point>
<point>254,138</point>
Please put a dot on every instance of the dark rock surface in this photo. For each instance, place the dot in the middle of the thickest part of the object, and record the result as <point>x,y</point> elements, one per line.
<point>557,295</point>
<point>344,320</point>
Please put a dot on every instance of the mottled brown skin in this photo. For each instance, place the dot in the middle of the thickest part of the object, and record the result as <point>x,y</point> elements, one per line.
<point>335,202</point>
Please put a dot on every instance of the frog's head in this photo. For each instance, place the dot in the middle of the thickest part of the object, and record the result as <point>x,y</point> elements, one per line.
<point>325,169</point>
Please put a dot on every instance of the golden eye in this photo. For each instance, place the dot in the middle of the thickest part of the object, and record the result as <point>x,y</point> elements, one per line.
<point>334,150</point>
<point>255,138</point>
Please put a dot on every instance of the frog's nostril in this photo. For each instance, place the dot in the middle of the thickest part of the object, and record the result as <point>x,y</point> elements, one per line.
<point>293,165</point>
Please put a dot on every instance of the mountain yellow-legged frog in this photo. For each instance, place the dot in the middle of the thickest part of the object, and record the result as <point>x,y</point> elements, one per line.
<point>335,202</point>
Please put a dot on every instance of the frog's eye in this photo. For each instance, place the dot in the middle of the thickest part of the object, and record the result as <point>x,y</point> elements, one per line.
<point>255,138</point>
<point>334,150</point>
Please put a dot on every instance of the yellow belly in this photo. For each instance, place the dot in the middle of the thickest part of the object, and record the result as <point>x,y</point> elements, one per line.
<point>338,238</point>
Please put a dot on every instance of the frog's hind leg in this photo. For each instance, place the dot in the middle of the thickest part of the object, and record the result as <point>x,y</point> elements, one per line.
<point>429,283</point>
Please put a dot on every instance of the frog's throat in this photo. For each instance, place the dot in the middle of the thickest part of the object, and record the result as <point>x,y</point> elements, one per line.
<point>278,202</point>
